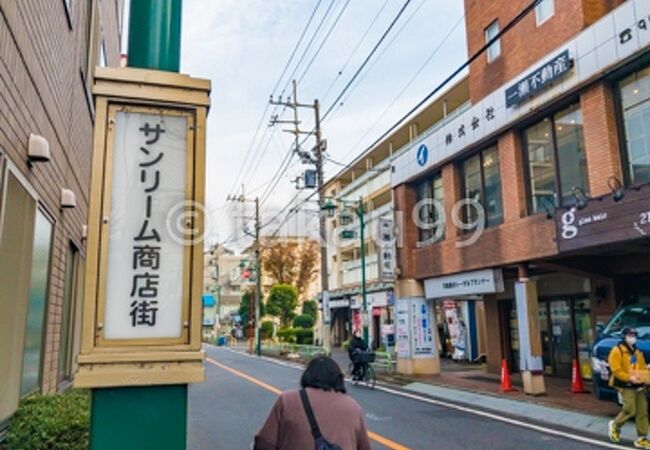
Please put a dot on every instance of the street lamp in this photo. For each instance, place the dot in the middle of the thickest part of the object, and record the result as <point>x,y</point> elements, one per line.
<point>357,207</point>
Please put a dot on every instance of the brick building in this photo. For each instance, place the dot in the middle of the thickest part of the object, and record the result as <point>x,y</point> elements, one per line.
<point>48,50</point>
<point>533,202</point>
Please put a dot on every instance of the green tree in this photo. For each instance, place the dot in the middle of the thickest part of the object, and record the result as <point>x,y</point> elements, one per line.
<point>282,303</point>
<point>303,321</point>
<point>246,299</point>
<point>310,308</point>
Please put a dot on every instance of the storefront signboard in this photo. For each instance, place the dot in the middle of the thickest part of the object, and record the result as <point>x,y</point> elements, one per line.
<point>327,312</point>
<point>339,303</point>
<point>377,299</point>
<point>486,281</point>
<point>421,321</point>
<point>598,48</point>
<point>539,79</point>
<point>604,220</point>
<point>403,340</point>
<point>386,258</point>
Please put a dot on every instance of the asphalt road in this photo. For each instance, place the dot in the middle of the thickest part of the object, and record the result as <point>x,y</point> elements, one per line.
<point>227,410</point>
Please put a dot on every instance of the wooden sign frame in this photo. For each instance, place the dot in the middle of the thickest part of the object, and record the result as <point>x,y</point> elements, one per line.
<point>132,362</point>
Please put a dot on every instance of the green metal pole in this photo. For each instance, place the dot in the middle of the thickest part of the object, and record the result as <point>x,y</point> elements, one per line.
<point>362,223</point>
<point>155,34</point>
<point>139,417</point>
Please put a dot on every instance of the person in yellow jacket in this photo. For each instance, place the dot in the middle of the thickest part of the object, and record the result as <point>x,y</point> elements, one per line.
<point>624,360</point>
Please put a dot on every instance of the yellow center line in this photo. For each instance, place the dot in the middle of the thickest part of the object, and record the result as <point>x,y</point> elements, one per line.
<point>374,436</point>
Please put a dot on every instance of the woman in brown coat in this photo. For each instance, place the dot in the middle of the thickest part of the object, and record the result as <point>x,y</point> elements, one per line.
<point>338,416</point>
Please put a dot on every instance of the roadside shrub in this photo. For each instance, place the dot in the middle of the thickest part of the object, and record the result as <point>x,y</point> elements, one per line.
<point>267,329</point>
<point>305,337</point>
<point>287,335</point>
<point>51,422</point>
<point>303,321</point>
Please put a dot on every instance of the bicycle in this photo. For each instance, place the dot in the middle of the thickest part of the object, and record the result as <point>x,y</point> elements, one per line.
<point>369,379</point>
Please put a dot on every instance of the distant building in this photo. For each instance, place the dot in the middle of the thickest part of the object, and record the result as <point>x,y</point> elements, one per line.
<point>369,178</point>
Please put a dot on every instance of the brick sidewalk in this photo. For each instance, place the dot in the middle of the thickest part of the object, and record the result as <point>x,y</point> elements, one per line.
<point>473,378</point>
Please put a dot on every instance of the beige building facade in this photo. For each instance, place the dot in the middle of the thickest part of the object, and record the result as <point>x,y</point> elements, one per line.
<point>48,50</point>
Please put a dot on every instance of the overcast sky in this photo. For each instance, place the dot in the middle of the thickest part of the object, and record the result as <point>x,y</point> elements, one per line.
<point>243,46</point>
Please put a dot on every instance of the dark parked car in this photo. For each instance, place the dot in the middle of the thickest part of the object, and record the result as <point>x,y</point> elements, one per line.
<point>636,316</point>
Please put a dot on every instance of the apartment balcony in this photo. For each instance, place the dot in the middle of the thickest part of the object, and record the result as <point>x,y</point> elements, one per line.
<point>371,181</point>
<point>351,271</point>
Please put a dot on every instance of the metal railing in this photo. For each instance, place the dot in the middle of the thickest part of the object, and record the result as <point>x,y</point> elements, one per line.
<point>385,362</point>
<point>289,350</point>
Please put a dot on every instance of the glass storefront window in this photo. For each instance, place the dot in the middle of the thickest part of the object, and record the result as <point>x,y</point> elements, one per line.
<point>36,305</point>
<point>482,183</point>
<point>635,104</point>
<point>557,163</point>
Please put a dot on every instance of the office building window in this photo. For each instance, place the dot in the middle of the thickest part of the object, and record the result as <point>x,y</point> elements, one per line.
<point>36,305</point>
<point>557,165</point>
<point>635,105</point>
<point>482,183</point>
<point>68,313</point>
<point>544,11</point>
<point>493,50</point>
<point>16,234</point>
<point>430,210</point>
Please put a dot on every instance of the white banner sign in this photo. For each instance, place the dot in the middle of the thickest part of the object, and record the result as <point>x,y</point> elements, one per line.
<point>144,285</point>
<point>402,339</point>
<point>327,313</point>
<point>422,337</point>
<point>487,281</point>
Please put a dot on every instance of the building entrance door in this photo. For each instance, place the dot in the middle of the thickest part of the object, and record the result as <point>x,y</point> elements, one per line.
<point>560,336</point>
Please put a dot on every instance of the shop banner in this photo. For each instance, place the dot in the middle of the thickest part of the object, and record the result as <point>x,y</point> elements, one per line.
<point>402,328</point>
<point>487,281</point>
<point>421,321</point>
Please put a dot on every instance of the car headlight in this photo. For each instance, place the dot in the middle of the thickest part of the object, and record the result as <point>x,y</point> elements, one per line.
<point>599,365</point>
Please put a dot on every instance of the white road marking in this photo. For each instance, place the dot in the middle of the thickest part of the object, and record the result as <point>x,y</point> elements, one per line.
<point>466,409</point>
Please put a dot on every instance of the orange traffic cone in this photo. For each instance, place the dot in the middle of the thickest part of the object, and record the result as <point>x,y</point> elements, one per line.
<point>576,379</point>
<point>506,383</point>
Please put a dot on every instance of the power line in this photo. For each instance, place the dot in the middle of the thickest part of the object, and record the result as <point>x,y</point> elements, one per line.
<point>363,37</point>
<point>379,56</point>
<point>363,64</point>
<point>410,82</point>
<point>463,66</point>
<point>250,152</point>
<point>327,35</point>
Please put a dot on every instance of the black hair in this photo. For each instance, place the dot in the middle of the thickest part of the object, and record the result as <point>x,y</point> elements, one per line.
<point>322,372</point>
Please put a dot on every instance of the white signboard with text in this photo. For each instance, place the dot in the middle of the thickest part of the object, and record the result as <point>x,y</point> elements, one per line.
<point>487,281</point>
<point>421,320</point>
<point>402,338</point>
<point>144,282</point>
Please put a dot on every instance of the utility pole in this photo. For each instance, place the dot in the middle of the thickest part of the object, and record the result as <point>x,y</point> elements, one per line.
<point>258,277</point>
<point>258,265</point>
<point>316,158</point>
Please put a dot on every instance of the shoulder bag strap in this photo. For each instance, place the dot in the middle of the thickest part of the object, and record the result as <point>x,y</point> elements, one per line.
<point>315,431</point>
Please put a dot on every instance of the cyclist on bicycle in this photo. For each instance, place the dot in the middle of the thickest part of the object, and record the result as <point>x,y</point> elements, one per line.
<point>357,346</point>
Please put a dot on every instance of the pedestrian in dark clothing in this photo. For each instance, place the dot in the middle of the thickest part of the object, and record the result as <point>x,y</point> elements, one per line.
<point>357,345</point>
<point>338,416</point>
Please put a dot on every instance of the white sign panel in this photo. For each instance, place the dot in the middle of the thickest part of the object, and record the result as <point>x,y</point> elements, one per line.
<point>327,313</point>
<point>402,338</point>
<point>421,321</point>
<point>386,258</point>
<point>144,286</point>
<point>619,34</point>
<point>486,281</point>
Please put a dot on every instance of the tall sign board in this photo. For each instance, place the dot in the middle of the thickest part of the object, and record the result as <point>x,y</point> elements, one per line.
<point>142,302</point>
